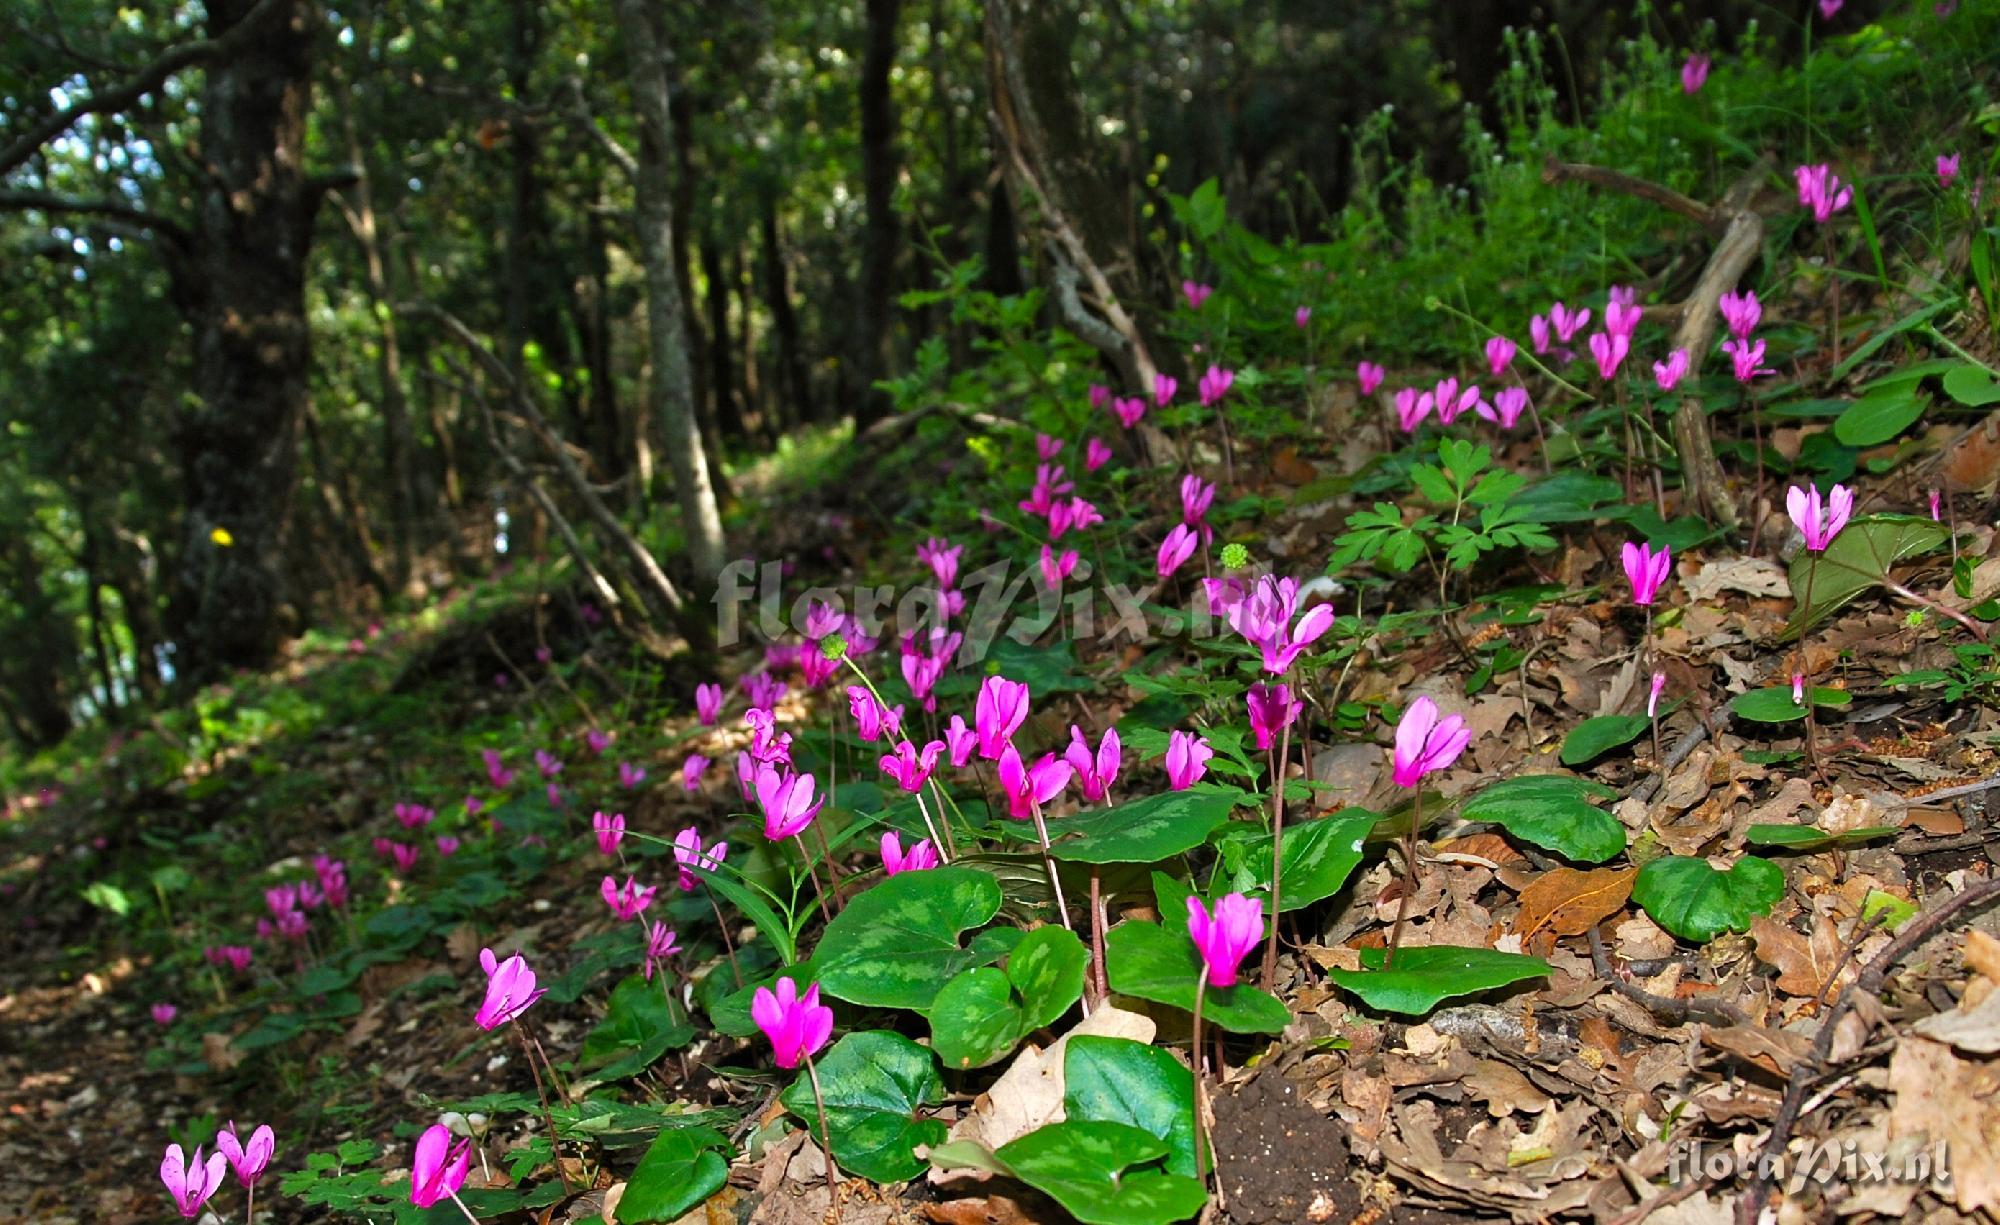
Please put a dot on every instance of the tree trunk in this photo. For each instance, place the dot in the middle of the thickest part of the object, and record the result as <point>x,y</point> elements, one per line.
<point>785,322</point>
<point>880,236</point>
<point>726,407</point>
<point>673,399</point>
<point>251,344</point>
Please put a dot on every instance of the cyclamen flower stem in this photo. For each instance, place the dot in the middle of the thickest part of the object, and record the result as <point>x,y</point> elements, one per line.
<point>1653,714</point>
<point>728,943</point>
<point>943,847</point>
<point>250,1205</point>
<point>1977,630</point>
<point>818,893</point>
<point>1099,988</point>
<point>1812,728</point>
<point>1049,863</point>
<point>826,853</point>
<point>944,818</point>
<point>1832,283</point>
<point>1277,852</point>
<point>468,1211</point>
<point>1409,873</point>
<point>826,1136</point>
<point>548,1117</point>
<point>1200,1082</point>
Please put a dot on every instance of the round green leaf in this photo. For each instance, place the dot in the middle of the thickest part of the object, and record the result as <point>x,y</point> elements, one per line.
<point>1876,418</point>
<point>1593,738</point>
<point>679,1171</point>
<point>1810,837</point>
<point>1420,978</point>
<point>896,945</point>
<point>1145,830</point>
<point>1689,898</point>
<point>874,1083</point>
<point>1046,970</point>
<point>1103,1173</point>
<point>1151,963</point>
<point>1319,857</point>
<point>1117,1080</point>
<point>974,1019</point>
<point>1553,811</point>
<point>1971,386</point>
<point>1768,705</point>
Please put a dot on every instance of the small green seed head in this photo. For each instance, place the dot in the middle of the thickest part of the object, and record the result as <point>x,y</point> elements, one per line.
<point>833,646</point>
<point>1234,556</point>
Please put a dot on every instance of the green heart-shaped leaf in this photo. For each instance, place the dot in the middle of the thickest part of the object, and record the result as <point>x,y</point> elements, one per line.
<point>1147,961</point>
<point>975,1019</point>
<point>1103,1173</point>
<point>1971,386</point>
<point>1689,898</point>
<point>1319,857</point>
<point>1147,830</point>
<point>1046,969</point>
<point>1420,978</point>
<point>874,1084</point>
<point>1593,738</point>
<point>1553,811</point>
<point>679,1171</point>
<point>1775,705</point>
<point>1117,1080</point>
<point>1858,560</point>
<point>896,945</point>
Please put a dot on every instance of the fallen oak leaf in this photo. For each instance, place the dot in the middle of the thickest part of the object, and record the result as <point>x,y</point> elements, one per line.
<point>1567,902</point>
<point>1805,966</point>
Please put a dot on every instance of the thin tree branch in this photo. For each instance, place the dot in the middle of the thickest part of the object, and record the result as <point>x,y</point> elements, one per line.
<point>1694,210</point>
<point>50,202</point>
<point>145,81</point>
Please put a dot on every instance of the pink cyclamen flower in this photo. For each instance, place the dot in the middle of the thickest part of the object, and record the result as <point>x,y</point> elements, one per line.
<point>629,775</point>
<point>496,774</point>
<point>1748,359</point>
<point>910,766</point>
<point>787,801</point>
<point>997,713</point>
<point>1425,743</point>
<point>1164,387</point>
<point>597,741</point>
<point>1798,689</point>
<point>1646,571</point>
<point>1741,311</point>
<point>1621,311</point>
<point>610,831</point>
<point>1821,190</point>
<point>510,990</point>
<point>191,1182</point>
<point>1669,373</point>
<point>661,943</point>
<point>1302,316</point>
<point>895,860</point>
<point>691,771</point>
<point>1187,759</point>
<point>1412,406</point>
<point>164,1013</point>
<point>1947,169</point>
<point>1827,8</point>
<point>1937,512</point>
<point>473,804</point>
<point>1272,709</point>
<point>1129,409</point>
<point>688,855</point>
<point>1100,395</point>
<point>1197,496</point>
<point>1369,375</point>
<point>438,1167</point>
<point>1094,772</point>
<point>404,856</point>
<point>1047,448</point>
<point>1507,406</point>
<point>1196,293</point>
<point>960,742</point>
<point>1096,454</point>
<point>1227,937</point>
<point>1819,522</point>
<point>548,763</point>
<point>1567,322</point>
<point>797,1025</point>
<point>1265,619</point>
<point>1175,550</point>
<point>1694,73</point>
<point>1057,566</point>
<point>1653,698</point>
<point>1538,333</point>
<point>248,1160</point>
<point>871,718</point>
<point>628,901</point>
<point>707,703</point>
<point>1214,385</point>
<point>764,690</point>
<point>1029,787</point>
<point>1454,402</point>
<point>1608,350</point>
<point>447,845</point>
<point>1499,354</point>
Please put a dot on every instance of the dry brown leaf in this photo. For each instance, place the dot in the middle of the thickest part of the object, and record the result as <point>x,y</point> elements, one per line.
<point>1942,1097</point>
<point>1756,576</point>
<point>1982,953</point>
<point>1289,468</point>
<point>1805,966</point>
<point>219,1052</point>
<point>1971,1026</point>
<point>1774,1050</point>
<point>1569,903</point>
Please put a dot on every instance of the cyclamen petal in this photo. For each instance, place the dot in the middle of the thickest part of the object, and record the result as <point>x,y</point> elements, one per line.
<point>1225,938</point>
